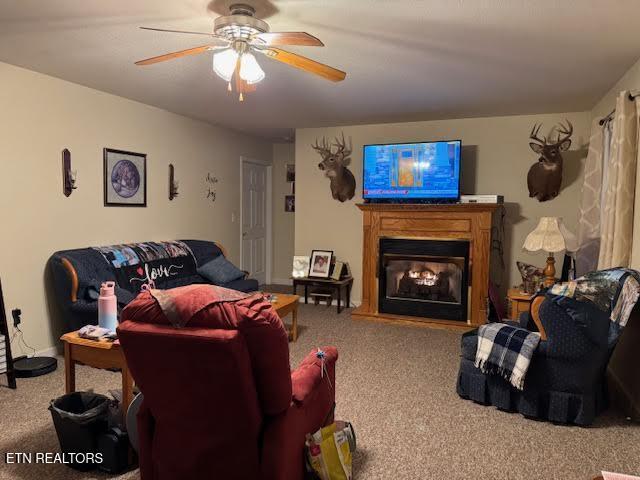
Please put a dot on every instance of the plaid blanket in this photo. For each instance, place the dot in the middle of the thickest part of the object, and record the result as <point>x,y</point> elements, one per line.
<point>506,351</point>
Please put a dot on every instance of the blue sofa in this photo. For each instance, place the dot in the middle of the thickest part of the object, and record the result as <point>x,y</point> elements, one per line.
<point>78,274</point>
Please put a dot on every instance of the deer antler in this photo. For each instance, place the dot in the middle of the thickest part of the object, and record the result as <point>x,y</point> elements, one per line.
<point>534,134</point>
<point>566,131</point>
<point>324,149</point>
<point>342,147</point>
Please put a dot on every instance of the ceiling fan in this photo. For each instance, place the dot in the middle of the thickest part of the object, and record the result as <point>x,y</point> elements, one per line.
<point>236,37</point>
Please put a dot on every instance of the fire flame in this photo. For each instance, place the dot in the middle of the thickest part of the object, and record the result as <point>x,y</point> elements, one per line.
<point>424,278</point>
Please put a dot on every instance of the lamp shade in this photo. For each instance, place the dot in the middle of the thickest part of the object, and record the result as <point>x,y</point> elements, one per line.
<point>550,236</point>
<point>250,71</point>
<point>224,63</point>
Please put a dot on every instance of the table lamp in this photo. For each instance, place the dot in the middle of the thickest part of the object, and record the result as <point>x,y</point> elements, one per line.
<point>550,236</point>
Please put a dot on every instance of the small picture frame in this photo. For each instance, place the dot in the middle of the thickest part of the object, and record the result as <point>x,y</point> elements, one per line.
<point>320,265</point>
<point>125,178</point>
<point>300,266</point>
<point>336,274</point>
<point>289,203</point>
<point>291,172</point>
<point>347,270</point>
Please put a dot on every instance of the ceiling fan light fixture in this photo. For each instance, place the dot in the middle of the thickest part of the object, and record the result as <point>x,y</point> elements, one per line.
<point>224,63</point>
<point>250,70</point>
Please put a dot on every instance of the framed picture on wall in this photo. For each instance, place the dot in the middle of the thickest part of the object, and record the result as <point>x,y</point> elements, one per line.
<point>290,203</point>
<point>320,265</point>
<point>291,172</point>
<point>125,178</point>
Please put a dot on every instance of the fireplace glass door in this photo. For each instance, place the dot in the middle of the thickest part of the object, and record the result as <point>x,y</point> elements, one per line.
<point>424,278</point>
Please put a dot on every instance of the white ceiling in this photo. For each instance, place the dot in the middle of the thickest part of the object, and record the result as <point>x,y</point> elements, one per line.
<point>406,59</point>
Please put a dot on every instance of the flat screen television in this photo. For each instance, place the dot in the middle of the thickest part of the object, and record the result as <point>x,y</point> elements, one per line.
<point>425,172</point>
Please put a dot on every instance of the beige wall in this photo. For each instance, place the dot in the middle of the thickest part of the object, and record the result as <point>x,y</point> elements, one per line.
<point>496,158</point>
<point>629,81</point>
<point>42,115</point>
<point>283,222</point>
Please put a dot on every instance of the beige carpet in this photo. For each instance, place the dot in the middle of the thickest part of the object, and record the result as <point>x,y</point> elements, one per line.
<point>397,386</point>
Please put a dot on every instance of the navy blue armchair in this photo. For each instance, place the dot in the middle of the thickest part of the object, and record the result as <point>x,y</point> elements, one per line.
<point>566,381</point>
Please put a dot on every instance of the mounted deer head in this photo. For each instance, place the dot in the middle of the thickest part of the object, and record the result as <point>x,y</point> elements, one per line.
<point>335,166</point>
<point>545,176</point>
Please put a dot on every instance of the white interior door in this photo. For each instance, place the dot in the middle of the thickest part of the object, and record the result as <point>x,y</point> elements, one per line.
<point>254,220</point>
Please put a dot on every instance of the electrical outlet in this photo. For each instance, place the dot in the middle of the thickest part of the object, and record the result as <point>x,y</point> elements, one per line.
<point>15,313</point>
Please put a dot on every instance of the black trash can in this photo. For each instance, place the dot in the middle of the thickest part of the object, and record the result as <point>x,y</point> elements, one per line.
<point>79,418</point>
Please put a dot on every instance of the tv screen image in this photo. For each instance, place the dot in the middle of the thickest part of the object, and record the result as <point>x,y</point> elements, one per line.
<point>412,171</point>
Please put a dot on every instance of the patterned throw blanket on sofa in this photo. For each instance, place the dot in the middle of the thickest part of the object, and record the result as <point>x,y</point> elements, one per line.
<point>506,350</point>
<point>614,292</point>
<point>155,263</point>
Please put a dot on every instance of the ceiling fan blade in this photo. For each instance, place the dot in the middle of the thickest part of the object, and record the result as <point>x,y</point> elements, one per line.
<point>217,37</point>
<point>288,38</point>
<point>172,55</point>
<point>306,64</point>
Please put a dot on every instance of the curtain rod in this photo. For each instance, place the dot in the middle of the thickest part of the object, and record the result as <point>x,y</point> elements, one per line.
<point>632,97</point>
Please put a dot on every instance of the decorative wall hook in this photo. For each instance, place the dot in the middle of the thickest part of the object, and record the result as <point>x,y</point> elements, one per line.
<point>173,184</point>
<point>68,176</point>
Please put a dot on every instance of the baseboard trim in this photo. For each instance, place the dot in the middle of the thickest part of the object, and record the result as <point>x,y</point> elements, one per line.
<point>49,352</point>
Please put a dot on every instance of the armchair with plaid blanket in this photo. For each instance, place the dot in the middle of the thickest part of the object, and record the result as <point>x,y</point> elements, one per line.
<point>565,382</point>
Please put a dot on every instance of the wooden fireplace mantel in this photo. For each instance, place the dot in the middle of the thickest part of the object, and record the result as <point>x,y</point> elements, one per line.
<point>470,222</point>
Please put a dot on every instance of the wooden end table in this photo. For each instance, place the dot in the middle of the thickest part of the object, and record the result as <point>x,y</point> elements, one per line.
<point>288,304</point>
<point>97,354</point>
<point>336,285</point>
<point>518,302</point>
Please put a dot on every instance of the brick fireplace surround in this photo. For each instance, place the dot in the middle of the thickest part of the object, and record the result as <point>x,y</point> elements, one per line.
<point>470,222</point>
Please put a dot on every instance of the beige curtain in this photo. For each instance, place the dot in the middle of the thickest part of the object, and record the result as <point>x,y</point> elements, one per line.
<point>591,203</point>
<point>616,228</point>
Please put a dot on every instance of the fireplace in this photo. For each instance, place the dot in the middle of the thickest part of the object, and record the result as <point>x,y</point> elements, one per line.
<point>424,278</point>
<point>458,231</point>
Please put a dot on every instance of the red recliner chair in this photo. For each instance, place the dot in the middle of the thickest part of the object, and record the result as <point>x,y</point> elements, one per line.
<point>220,401</point>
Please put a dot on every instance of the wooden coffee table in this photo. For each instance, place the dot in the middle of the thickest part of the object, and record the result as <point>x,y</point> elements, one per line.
<point>288,304</point>
<point>96,354</point>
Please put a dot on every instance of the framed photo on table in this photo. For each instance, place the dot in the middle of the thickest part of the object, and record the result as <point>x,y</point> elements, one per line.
<point>300,266</point>
<point>336,274</point>
<point>320,265</point>
<point>125,179</point>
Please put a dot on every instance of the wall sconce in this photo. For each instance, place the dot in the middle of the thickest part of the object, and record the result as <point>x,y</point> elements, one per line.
<point>68,175</point>
<point>173,184</point>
